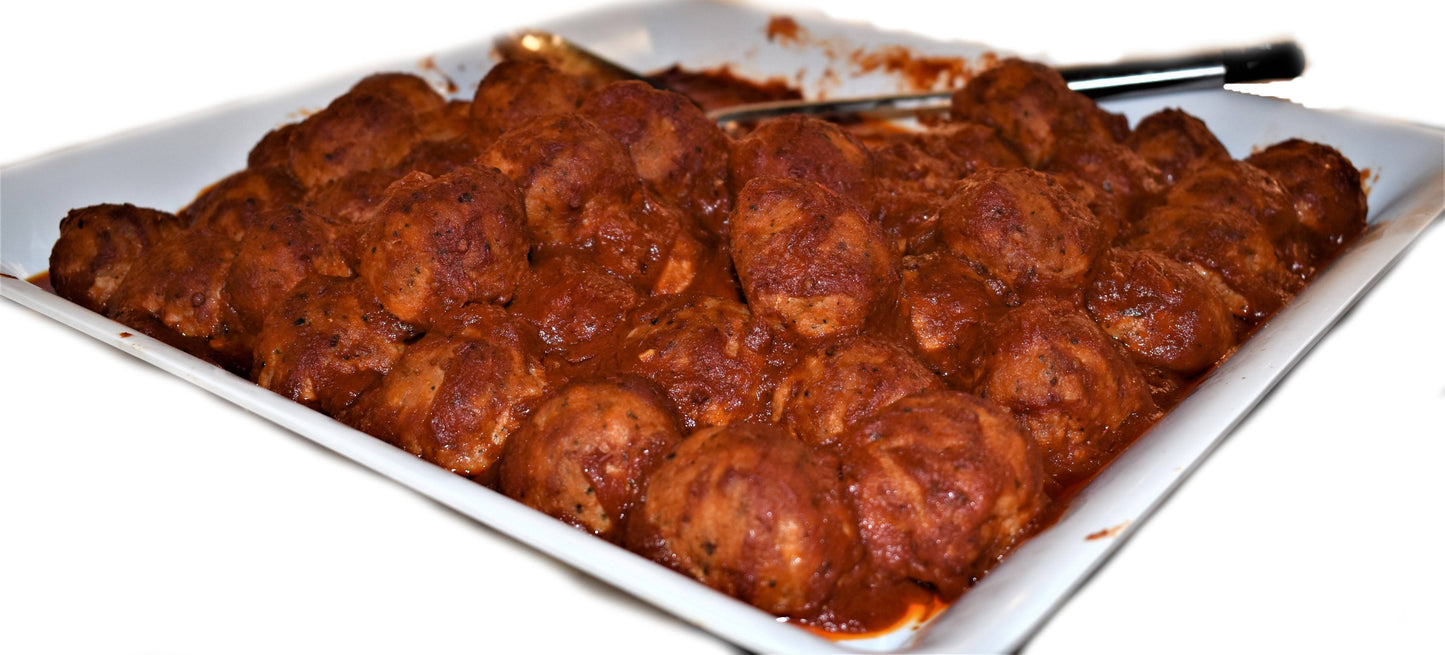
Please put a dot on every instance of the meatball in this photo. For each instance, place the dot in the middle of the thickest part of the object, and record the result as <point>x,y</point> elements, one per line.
<point>1236,186</point>
<point>681,258</point>
<point>1232,250</point>
<point>451,123</point>
<point>950,152</point>
<point>236,203</point>
<point>514,92</point>
<point>968,147</point>
<point>1032,107</point>
<point>274,149</point>
<point>1024,228</point>
<point>173,293</point>
<point>916,168</point>
<point>948,308</point>
<point>572,306</point>
<point>438,157</point>
<point>909,183</point>
<point>407,89</point>
<point>1174,141</point>
<point>370,127</point>
<point>350,200</point>
<point>437,243</point>
<point>1063,377</point>
<point>1164,312</point>
<point>329,340</point>
<point>809,258</point>
<point>97,247</point>
<point>456,395</point>
<point>581,193</point>
<point>584,453</point>
<point>943,484</point>
<point>711,356</point>
<point>347,207</point>
<point>753,513</point>
<point>1329,198</point>
<point>1124,184</point>
<point>839,384</point>
<point>678,151</point>
<point>807,149</point>
<point>288,245</point>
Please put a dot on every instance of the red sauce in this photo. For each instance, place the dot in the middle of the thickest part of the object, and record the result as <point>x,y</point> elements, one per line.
<point>41,280</point>
<point>783,28</point>
<point>429,66</point>
<point>1108,532</point>
<point>913,72</point>
<point>721,87</point>
<point>920,72</point>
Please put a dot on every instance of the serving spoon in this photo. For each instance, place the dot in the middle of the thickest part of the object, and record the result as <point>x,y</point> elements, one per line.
<point>1273,61</point>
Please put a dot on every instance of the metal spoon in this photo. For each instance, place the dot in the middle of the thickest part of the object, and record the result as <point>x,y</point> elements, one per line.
<point>1274,61</point>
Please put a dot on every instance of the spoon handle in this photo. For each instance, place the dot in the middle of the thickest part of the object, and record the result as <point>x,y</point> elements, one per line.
<point>1275,61</point>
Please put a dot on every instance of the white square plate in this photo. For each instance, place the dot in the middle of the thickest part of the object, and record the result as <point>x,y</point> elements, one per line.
<point>164,166</point>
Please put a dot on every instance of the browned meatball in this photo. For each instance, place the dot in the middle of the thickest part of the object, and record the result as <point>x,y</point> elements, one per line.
<point>681,154</point>
<point>711,356</point>
<point>1064,379</point>
<point>347,207</point>
<point>563,163</point>
<point>97,247</point>
<point>916,168</point>
<point>948,307</point>
<point>1329,198</point>
<point>944,484</point>
<point>1024,228</point>
<point>458,393</point>
<point>173,293</point>
<point>408,89</point>
<point>753,513</point>
<point>807,149</point>
<point>583,454</point>
<point>838,384</point>
<point>1124,184</point>
<point>910,182</point>
<point>438,243</point>
<point>327,342</point>
<point>582,193</point>
<point>1232,250</point>
<point>1234,185</point>
<point>681,258</point>
<point>440,156</point>
<point>236,203</point>
<point>572,306</point>
<point>372,126</point>
<point>452,122</point>
<point>1164,312</point>
<point>288,245</point>
<point>810,259</point>
<point>514,92</point>
<point>1174,141</point>
<point>274,149</point>
<point>1032,107</point>
<point>968,147</point>
<point>350,200</point>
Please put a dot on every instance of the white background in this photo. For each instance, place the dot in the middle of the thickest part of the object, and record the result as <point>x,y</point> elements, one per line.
<point>141,515</point>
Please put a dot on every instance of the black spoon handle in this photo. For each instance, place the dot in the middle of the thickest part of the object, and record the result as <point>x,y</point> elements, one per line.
<point>1275,61</point>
